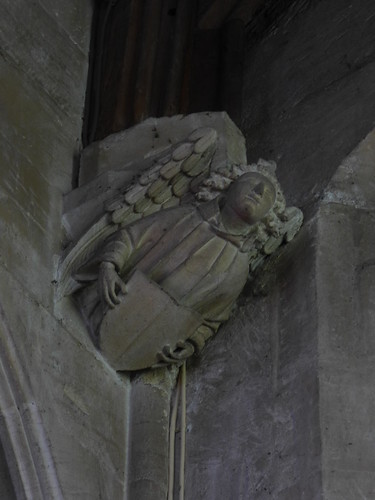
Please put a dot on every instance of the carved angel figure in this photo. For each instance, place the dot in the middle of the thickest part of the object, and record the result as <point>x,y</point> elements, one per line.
<point>184,239</point>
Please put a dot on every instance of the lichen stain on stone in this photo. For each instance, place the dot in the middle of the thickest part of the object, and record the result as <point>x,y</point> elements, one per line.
<point>161,378</point>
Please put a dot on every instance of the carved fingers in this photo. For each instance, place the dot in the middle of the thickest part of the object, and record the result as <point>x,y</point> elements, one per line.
<point>110,284</point>
<point>112,290</point>
<point>182,351</point>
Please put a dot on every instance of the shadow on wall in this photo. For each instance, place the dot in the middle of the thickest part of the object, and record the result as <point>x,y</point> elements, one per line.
<point>6,486</point>
<point>308,95</point>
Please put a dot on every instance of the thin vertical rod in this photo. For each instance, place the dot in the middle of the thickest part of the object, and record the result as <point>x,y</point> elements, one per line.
<point>183,431</point>
<point>172,440</point>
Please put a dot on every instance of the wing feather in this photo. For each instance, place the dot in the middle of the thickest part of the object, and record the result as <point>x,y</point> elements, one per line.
<point>173,180</point>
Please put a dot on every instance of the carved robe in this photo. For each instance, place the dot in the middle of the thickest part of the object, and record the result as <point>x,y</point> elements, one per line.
<point>186,252</point>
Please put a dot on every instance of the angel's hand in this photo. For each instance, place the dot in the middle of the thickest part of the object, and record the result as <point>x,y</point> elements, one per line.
<point>182,351</point>
<point>110,284</point>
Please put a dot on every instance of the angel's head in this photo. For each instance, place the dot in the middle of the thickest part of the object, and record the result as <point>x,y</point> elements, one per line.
<point>248,200</point>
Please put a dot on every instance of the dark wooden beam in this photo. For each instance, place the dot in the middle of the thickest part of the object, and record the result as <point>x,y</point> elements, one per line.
<point>231,68</point>
<point>147,58</point>
<point>185,22</point>
<point>128,68</point>
<point>204,83</point>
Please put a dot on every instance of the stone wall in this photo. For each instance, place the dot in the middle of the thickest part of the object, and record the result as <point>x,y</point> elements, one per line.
<point>279,406</point>
<point>62,409</point>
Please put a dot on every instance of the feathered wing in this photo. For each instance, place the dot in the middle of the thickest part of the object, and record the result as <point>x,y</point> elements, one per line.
<point>176,178</point>
<point>183,175</point>
<point>172,181</point>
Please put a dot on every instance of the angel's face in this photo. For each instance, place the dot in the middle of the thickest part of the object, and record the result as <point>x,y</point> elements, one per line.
<point>251,197</point>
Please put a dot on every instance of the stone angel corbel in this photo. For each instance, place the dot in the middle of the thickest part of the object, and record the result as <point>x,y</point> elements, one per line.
<point>159,272</point>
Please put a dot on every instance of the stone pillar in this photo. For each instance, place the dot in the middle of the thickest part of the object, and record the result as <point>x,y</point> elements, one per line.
<point>149,434</point>
<point>346,303</point>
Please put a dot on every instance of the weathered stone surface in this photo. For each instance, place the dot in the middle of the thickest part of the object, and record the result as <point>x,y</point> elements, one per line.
<point>41,98</point>
<point>30,209</point>
<point>74,18</point>
<point>57,69</point>
<point>29,126</point>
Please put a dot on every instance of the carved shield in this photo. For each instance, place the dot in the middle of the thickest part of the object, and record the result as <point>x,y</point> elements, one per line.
<point>144,322</point>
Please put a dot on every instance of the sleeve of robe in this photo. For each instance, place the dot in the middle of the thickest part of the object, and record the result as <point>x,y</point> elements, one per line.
<point>141,235</point>
<point>117,249</point>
